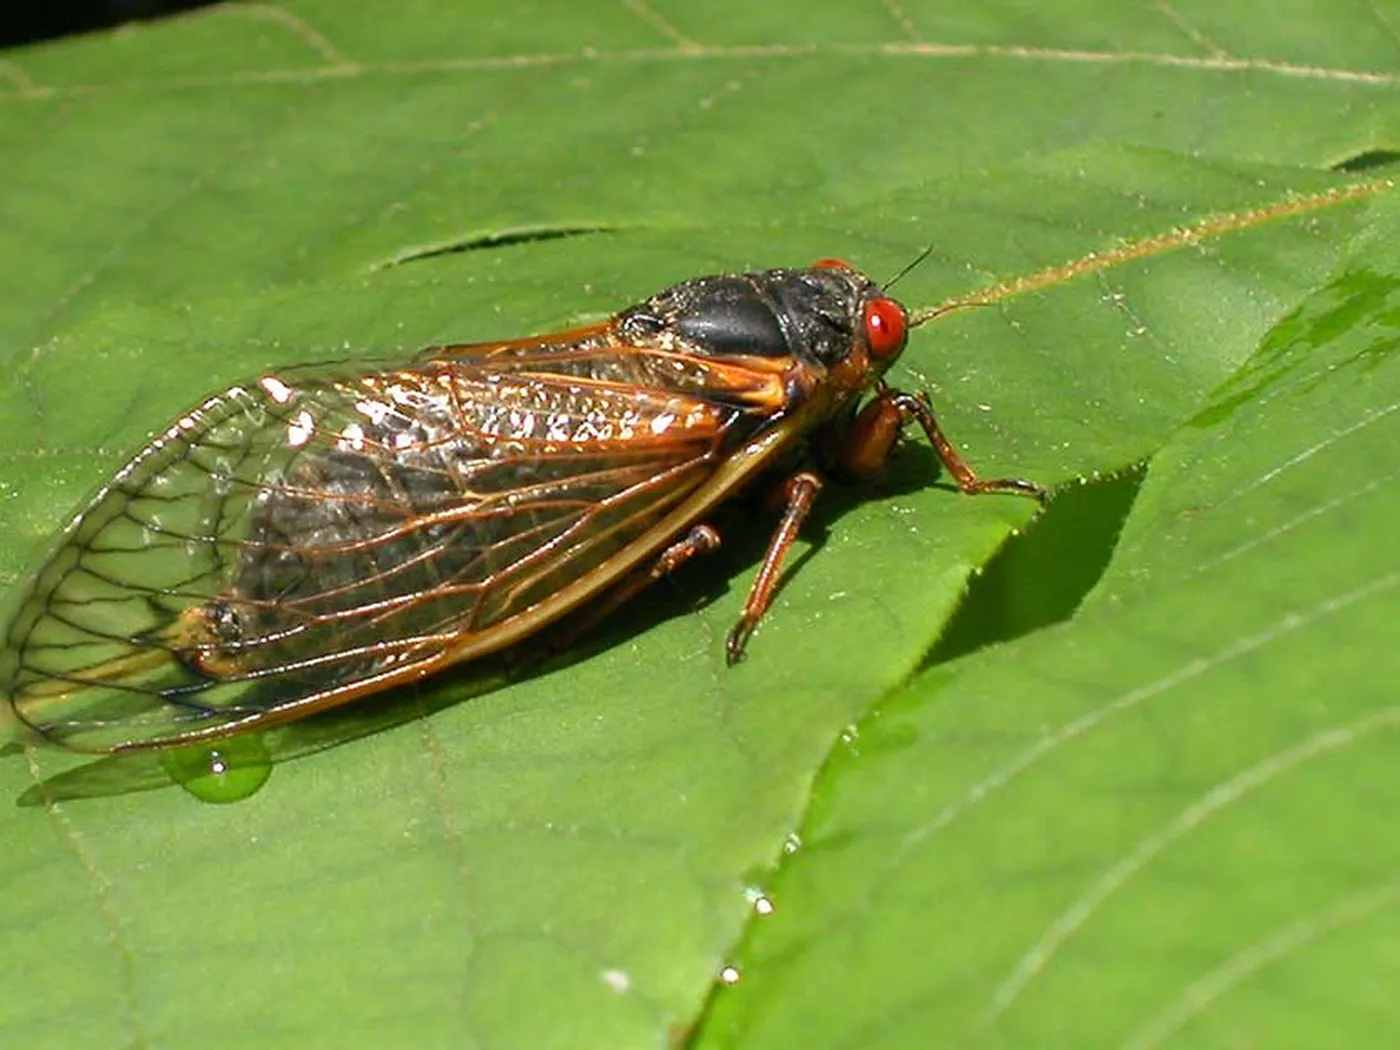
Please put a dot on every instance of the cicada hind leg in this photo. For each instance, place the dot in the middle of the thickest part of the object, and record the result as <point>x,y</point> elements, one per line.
<point>701,539</point>
<point>207,639</point>
<point>175,662</point>
<point>203,640</point>
<point>859,450</point>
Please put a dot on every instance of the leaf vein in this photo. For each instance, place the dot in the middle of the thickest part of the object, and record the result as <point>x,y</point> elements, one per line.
<point>437,66</point>
<point>1061,929</point>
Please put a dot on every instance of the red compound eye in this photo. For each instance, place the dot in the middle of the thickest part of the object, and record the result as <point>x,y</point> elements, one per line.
<point>832,264</point>
<point>886,328</point>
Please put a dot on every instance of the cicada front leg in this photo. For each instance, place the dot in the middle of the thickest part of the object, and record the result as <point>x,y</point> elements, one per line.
<point>860,451</point>
<point>867,444</point>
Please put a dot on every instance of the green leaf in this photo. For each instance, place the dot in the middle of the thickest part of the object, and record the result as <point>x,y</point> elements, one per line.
<point>1166,821</point>
<point>1116,828</point>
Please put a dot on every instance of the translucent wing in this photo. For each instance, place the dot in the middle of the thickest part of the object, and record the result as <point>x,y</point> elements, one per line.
<point>324,532</point>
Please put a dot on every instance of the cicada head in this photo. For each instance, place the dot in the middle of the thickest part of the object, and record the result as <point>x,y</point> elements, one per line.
<point>828,317</point>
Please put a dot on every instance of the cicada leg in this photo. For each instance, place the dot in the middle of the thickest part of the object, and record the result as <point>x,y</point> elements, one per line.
<point>701,539</point>
<point>866,445</point>
<point>860,451</point>
<point>800,494</point>
<point>195,643</point>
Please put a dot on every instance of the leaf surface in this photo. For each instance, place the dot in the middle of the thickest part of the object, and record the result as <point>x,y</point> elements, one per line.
<point>1137,825</point>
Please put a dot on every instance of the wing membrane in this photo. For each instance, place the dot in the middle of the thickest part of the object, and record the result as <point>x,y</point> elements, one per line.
<point>299,541</point>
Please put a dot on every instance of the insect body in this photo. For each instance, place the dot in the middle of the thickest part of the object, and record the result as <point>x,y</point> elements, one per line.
<point>326,532</point>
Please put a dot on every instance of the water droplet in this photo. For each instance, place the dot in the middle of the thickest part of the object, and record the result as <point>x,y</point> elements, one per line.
<point>730,975</point>
<point>792,843</point>
<point>761,902</point>
<point>618,980</point>
<point>224,771</point>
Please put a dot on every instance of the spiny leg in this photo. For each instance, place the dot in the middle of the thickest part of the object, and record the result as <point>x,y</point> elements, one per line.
<point>800,493</point>
<point>701,539</point>
<point>869,441</point>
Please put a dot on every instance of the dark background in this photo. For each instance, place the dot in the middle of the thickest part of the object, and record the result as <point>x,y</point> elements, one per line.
<point>25,21</point>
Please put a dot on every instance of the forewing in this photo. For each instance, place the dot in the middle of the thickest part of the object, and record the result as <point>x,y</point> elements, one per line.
<point>298,541</point>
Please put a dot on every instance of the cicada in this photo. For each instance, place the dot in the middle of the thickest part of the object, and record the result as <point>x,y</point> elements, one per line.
<point>325,532</point>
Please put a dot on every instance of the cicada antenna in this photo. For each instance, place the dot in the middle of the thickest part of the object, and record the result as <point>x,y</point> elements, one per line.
<point>919,317</point>
<point>887,285</point>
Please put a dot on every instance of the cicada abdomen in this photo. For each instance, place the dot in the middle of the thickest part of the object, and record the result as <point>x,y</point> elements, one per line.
<point>329,531</point>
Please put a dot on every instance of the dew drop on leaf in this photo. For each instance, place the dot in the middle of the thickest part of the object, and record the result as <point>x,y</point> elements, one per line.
<point>225,771</point>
